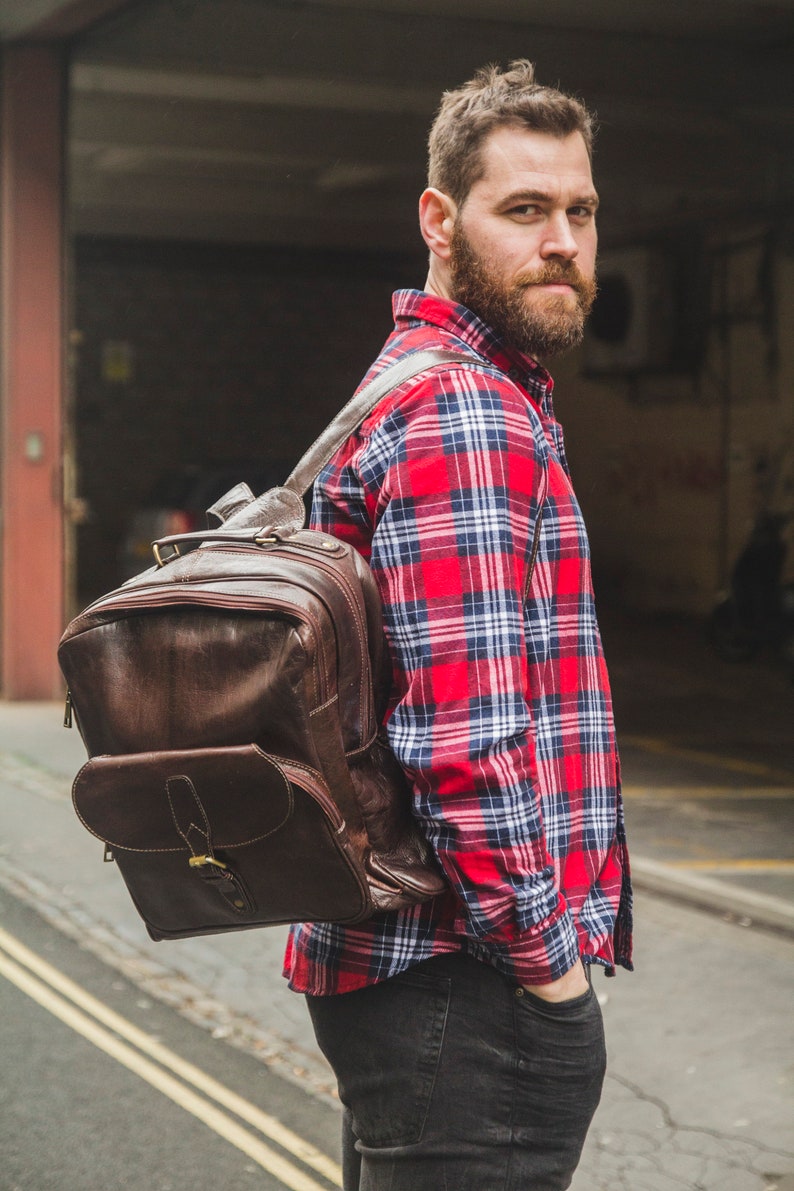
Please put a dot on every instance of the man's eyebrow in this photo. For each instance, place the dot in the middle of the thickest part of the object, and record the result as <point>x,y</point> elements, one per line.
<point>589,199</point>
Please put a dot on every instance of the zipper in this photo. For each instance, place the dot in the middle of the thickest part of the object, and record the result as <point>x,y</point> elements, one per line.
<point>341,582</point>
<point>67,711</point>
<point>172,597</point>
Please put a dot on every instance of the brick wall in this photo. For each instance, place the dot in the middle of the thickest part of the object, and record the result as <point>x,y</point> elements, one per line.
<point>198,354</point>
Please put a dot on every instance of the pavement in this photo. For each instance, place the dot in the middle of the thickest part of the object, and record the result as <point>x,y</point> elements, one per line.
<point>707,752</point>
<point>708,766</point>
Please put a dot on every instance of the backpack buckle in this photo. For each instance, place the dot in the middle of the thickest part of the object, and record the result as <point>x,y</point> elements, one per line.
<point>200,861</point>
<point>158,556</point>
<point>225,881</point>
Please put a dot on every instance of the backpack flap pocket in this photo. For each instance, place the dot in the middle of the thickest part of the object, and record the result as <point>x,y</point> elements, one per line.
<point>188,800</point>
<point>210,839</point>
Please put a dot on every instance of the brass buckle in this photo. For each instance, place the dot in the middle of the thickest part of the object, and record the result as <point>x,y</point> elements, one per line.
<point>268,535</point>
<point>158,555</point>
<point>200,861</point>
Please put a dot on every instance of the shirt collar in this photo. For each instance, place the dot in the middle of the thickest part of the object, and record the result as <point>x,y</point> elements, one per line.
<point>415,306</point>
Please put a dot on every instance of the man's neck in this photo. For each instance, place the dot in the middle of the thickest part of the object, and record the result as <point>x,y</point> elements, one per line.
<point>438,284</point>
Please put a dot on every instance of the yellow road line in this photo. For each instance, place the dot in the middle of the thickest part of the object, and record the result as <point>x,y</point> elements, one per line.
<point>739,865</point>
<point>218,1121</point>
<point>651,744</point>
<point>188,1072</point>
<point>731,793</point>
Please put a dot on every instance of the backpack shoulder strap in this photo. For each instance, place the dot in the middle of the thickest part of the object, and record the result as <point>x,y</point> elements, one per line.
<point>362,403</point>
<point>284,506</point>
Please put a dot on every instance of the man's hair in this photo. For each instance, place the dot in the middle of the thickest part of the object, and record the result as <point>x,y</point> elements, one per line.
<point>495,99</point>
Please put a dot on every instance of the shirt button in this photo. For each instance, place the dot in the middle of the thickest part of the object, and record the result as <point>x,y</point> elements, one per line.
<point>519,991</point>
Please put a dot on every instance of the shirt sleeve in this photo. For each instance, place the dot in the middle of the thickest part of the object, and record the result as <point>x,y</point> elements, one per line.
<point>457,474</point>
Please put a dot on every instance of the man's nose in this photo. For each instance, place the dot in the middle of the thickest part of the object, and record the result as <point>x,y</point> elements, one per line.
<point>558,239</point>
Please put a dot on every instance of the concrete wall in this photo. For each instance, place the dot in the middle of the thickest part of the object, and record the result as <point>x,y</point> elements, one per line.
<point>671,469</point>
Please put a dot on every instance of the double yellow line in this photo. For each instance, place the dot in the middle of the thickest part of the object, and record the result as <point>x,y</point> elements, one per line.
<point>187,1085</point>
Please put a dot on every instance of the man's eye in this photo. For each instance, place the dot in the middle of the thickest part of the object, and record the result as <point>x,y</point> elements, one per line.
<point>524,209</point>
<point>581,212</point>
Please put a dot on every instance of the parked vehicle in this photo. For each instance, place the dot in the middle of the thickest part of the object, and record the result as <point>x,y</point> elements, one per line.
<point>758,610</point>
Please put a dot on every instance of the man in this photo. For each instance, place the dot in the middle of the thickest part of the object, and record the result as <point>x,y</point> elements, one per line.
<point>464,1033</point>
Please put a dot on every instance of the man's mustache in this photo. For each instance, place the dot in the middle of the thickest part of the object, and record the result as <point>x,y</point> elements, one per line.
<point>565,273</point>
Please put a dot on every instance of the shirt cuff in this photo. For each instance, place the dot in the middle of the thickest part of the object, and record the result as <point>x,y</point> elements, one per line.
<point>546,954</point>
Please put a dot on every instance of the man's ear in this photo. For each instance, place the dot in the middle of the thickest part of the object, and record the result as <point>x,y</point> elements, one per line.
<point>437,215</point>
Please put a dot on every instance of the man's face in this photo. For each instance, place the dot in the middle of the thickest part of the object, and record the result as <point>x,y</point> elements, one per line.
<point>522,251</point>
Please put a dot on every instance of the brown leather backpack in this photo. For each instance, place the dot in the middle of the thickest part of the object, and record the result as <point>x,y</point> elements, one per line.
<point>228,699</point>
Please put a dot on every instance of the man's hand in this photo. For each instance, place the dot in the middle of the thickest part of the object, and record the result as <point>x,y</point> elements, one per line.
<point>573,984</point>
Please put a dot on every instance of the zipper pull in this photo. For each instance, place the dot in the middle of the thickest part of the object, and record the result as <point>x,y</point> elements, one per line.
<point>67,711</point>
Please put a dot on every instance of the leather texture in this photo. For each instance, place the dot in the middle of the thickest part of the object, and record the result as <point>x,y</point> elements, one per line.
<point>241,818</point>
<point>230,704</point>
<point>227,702</point>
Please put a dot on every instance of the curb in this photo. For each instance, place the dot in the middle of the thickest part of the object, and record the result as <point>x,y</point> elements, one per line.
<point>709,893</point>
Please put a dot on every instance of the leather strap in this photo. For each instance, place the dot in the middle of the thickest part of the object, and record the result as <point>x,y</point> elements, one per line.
<point>363,402</point>
<point>186,807</point>
<point>284,506</point>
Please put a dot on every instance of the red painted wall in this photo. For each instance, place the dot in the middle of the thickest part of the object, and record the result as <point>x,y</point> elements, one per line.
<point>31,358</point>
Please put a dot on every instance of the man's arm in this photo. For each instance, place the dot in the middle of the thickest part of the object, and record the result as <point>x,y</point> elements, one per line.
<point>458,496</point>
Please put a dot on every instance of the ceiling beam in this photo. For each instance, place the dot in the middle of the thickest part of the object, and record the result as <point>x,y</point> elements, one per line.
<point>276,90</point>
<point>53,20</point>
<point>262,90</point>
<point>204,125</point>
<point>707,18</point>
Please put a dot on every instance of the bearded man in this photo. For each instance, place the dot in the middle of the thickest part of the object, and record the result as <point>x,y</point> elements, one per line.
<point>465,1033</point>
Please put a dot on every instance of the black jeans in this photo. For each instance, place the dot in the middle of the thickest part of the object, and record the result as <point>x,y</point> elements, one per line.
<point>454,1079</point>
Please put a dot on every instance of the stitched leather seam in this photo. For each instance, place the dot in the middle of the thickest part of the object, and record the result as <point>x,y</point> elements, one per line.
<point>322,707</point>
<point>364,748</point>
<point>241,844</point>
<point>299,765</point>
<point>361,642</point>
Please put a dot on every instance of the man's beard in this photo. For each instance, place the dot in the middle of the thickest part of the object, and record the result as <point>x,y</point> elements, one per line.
<point>545,329</point>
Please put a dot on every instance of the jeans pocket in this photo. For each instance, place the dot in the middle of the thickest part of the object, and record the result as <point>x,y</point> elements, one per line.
<point>574,1009</point>
<point>562,1056</point>
<point>384,1045</point>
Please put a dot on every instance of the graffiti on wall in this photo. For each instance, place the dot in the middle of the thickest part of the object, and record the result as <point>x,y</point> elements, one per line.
<point>645,473</point>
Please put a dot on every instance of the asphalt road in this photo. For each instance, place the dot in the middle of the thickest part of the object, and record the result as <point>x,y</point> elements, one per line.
<point>104,1088</point>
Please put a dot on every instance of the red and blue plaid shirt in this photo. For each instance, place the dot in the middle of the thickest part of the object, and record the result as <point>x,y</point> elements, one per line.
<point>500,712</point>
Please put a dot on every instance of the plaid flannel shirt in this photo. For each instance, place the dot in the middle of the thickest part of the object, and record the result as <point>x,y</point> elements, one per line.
<point>500,711</point>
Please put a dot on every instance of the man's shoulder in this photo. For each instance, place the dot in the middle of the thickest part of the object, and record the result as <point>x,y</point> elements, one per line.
<point>468,390</point>
<point>442,354</point>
